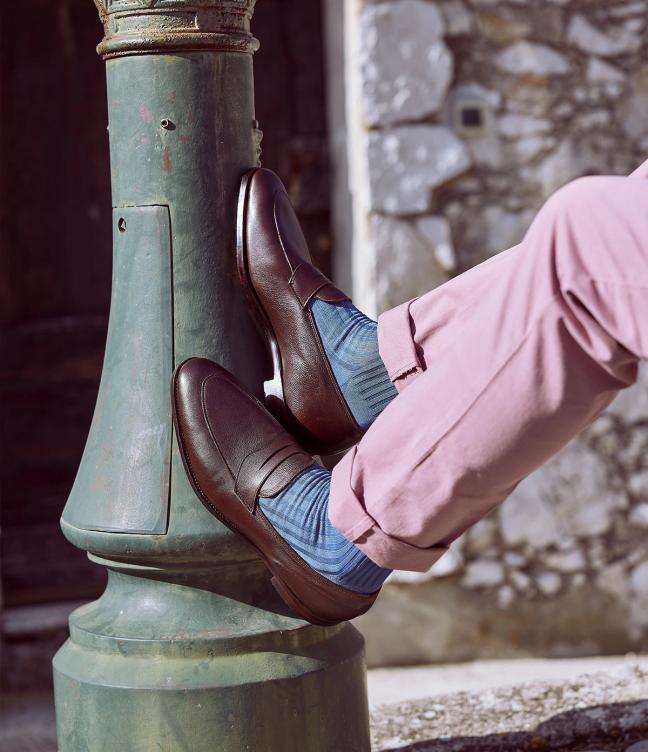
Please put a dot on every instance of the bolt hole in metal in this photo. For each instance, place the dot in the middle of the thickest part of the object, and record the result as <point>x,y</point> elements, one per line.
<point>121,224</point>
<point>167,124</point>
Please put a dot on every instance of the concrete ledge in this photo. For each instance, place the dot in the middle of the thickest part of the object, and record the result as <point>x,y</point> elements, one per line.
<point>600,711</point>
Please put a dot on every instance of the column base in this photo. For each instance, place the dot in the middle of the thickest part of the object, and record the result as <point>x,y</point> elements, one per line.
<point>160,665</point>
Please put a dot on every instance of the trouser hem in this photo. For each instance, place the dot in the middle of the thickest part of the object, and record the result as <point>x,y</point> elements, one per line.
<point>348,515</point>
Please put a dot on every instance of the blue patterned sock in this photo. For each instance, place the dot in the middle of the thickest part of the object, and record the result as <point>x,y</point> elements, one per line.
<point>299,514</point>
<point>350,342</point>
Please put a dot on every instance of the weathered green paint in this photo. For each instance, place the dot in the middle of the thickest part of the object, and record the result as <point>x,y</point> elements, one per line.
<point>189,647</point>
<point>128,452</point>
<point>154,665</point>
<point>193,168</point>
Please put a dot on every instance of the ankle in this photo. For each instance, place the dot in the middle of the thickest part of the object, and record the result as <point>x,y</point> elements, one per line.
<point>350,341</point>
<point>299,513</point>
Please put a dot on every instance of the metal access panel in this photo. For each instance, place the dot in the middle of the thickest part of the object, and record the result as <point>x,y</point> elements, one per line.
<point>123,482</point>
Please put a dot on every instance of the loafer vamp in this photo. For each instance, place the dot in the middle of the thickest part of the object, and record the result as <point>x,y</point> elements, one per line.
<point>234,451</point>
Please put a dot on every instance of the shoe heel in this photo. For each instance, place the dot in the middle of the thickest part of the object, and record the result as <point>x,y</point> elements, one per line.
<point>273,388</point>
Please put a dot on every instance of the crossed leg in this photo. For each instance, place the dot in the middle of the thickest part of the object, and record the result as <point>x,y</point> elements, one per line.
<point>497,370</point>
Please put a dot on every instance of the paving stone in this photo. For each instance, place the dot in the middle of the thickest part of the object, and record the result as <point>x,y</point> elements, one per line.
<point>405,65</point>
<point>592,40</point>
<point>529,57</point>
<point>540,715</point>
<point>406,163</point>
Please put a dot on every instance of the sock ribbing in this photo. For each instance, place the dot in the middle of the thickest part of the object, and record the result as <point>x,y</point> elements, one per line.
<point>299,514</point>
<point>350,341</point>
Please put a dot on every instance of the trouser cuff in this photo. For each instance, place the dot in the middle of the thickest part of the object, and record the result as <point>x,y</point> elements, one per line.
<point>396,344</point>
<point>348,515</point>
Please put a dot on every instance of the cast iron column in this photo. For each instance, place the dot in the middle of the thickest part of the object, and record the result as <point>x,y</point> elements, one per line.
<point>188,648</point>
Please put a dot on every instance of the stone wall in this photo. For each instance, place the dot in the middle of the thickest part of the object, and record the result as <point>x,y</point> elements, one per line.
<point>462,117</point>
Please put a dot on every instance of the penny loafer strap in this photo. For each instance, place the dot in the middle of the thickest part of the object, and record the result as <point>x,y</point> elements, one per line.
<point>258,466</point>
<point>307,281</point>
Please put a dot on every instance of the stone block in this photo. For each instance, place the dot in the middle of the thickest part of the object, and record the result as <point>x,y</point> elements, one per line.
<point>613,579</point>
<point>437,232</point>
<point>638,747</point>
<point>482,535</point>
<point>529,57</point>
<point>549,583</point>
<point>405,66</point>
<point>513,125</point>
<point>634,116</point>
<point>406,264</point>
<point>639,580</point>
<point>593,120</point>
<point>483,573</point>
<point>504,229</point>
<point>407,163</point>
<point>566,561</point>
<point>631,9</point>
<point>639,516</point>
<point>514,559</point>
<point>502,26</point>
<point>569,496</point>
<point>505,596</point>
<point>559,167</point>
<point>616,40</point>
<point>528,148</point>
<point>449,564</point>
<point>600,72</point>
<point>458,19</point>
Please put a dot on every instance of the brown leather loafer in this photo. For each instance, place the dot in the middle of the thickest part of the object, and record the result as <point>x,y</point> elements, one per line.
<point>277,274</point>
<point>234,451</point>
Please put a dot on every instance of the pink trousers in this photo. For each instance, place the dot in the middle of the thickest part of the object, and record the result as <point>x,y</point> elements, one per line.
<point>497,370</point>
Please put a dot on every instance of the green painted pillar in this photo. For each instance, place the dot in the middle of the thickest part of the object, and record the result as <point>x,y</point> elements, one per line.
<point>189,647</point>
